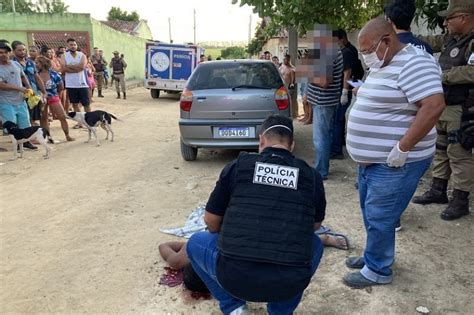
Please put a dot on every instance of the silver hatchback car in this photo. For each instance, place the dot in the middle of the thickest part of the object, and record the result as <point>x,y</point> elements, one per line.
<point>225,102</point>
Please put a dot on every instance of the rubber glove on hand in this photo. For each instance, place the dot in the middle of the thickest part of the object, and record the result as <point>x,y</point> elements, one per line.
<point>397,157</point>
<point>344,97</point>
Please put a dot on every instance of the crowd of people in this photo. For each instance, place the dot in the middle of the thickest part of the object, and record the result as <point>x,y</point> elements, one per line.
<point>63,79</point>
<point>408,112</point>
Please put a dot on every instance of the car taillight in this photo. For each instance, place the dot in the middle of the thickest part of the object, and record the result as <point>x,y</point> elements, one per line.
<point>186,100</point>
<point>282,98</point>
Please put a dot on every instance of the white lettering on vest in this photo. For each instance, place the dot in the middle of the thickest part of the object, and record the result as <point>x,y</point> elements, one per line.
<point>276,175</point>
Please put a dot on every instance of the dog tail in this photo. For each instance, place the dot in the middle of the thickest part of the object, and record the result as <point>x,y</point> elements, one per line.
<point>47,135</point>
<point>115,117</point>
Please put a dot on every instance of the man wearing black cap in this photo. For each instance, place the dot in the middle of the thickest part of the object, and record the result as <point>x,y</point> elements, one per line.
<point>454,159</point>
<point>260,245</point>
<point>118,66</point>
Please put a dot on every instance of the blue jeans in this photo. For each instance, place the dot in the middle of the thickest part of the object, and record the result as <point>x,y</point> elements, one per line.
<point>385,193</point>
<point>202,252</point>
<point>339,128</point>
<point>323,120</point>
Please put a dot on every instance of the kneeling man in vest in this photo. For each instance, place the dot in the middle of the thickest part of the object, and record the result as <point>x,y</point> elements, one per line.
<point>260,245</point>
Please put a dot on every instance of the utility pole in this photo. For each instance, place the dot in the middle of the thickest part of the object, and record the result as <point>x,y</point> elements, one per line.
<point>13,6</point>
<point>250,29</point>
<point>169,26</point>
<point>293,51</point>
<point>195,27</point>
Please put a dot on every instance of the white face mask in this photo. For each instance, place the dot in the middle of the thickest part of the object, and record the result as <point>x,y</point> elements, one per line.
<point>372,61</point>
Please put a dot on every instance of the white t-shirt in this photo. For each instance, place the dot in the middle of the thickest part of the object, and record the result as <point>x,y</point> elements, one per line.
<point>78,79</point>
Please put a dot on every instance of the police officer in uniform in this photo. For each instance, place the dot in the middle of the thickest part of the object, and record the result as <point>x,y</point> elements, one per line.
<point>260,245</point>
<point>454,159</point>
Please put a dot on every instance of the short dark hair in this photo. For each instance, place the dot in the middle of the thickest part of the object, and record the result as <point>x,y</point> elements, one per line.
<point>96,47</point>
<point>4,44</point>
<point>70,40</point>
<point>401,13</point>
<point>287,56</point>
<point>266,52</point>
<point>283,134</point>
<point>61,47</point>
<point>44,49</point>
<point>192,281</point>
<point>16,43</point>
<point>341,34</point>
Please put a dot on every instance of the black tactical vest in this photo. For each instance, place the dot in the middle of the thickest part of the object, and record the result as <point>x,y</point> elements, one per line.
<point>453,55</point>
<point>266,223</point>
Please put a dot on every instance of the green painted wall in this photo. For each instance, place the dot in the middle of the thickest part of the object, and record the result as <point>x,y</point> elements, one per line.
<point>13,35</point>
<point>45,22</point>
<point>15,26</point>
<point>132,47</point>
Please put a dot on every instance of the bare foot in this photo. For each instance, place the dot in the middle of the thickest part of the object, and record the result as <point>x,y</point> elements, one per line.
<point>69,138</point>
<point>334,241</point>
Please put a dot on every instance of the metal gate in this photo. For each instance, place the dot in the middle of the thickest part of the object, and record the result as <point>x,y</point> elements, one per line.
<point>57,39</point>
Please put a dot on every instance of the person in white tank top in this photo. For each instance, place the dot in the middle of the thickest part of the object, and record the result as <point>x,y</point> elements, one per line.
<point>73,64</point>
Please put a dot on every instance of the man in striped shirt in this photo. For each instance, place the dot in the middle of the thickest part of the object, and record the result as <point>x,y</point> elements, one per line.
<point>391,136</point>
<point>324,94</point>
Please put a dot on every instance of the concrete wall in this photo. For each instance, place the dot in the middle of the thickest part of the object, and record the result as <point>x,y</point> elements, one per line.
<point>132,47</point>
<point>16,27</point>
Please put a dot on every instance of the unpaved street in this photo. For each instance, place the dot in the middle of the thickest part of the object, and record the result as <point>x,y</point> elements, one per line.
<point>79,232</point>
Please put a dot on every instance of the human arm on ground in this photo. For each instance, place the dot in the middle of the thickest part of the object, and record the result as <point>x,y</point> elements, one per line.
<point>174,253</point>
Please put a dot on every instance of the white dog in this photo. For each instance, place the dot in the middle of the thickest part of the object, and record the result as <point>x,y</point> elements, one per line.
<point>20,136</point>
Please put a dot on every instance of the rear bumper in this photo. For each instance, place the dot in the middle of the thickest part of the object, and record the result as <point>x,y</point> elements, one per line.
<point>167,85</point>
<point>199,133</point>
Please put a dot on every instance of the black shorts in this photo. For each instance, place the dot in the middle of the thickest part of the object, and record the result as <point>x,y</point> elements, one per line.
<point>79,95</point>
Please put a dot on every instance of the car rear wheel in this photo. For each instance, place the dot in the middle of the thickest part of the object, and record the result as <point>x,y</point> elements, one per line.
<point>155,93</point>
<point>188,153</point>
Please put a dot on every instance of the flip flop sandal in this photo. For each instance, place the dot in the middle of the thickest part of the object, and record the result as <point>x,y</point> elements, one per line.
<point>322,230</point>
<point>348,243</point>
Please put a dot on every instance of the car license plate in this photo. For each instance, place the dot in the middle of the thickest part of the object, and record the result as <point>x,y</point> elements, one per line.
<point>234,132</point>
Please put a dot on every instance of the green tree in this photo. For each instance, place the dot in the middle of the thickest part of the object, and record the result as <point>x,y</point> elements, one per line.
<point>28,6</point>
<point>116,13</point>
<point>347,14</point>
<point>51,6</point>
<point>21,6</point>
<point>234,52</point>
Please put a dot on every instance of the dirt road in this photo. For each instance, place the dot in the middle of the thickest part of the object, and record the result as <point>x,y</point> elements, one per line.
<point>79,232</point>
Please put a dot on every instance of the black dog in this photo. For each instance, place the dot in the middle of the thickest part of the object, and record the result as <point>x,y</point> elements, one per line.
<point>93,119</point>
<point>20,136</point>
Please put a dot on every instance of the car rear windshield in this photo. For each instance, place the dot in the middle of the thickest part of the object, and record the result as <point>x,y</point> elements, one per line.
<point>223,75</point>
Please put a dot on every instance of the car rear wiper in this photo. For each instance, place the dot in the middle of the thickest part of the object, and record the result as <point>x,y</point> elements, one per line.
<point>247,86</point>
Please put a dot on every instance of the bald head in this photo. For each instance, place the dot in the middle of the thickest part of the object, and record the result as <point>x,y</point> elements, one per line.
<point>379,36</point>
<point>376,29</point>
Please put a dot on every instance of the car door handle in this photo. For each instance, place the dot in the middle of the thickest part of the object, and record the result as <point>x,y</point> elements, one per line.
<point>201,98</point>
